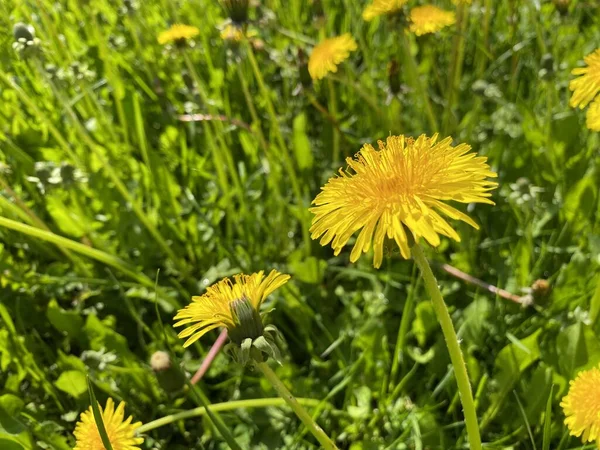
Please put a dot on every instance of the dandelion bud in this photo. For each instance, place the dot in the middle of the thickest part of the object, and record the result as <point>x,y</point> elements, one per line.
<point>237,10</point>
<point>170,378</point>
<point>562,6</point>
<point>23,31</point>
<point>394,76</point>
<point>540,289</point>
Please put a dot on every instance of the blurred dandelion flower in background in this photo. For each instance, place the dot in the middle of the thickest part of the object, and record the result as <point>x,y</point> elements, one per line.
<point>121,433</point>
<point>178,34</point>
<point>396,190</point>
<point>586,87</point>
<point>581,406</point>
<point>327,55</point>
<point>233,305</point>
<point>382,7</point>
<point>232,33</point>
<point>429,19</point>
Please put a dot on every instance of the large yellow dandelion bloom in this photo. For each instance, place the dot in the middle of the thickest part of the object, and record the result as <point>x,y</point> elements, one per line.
<point>399,189</point>
<point>429,19</point>
<point>223,303</point>
<point>581,406</point>
<point>327,55</point>
<point>178,33</point>
<point>586,87</point>
<point>121,433</point>
<point>381,7</point>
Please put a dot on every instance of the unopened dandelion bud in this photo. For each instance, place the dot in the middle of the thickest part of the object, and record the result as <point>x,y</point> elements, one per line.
<point>23,31</point>
<point>540,290</point>
<point>394,76</point>
<point>562,6</point>
<point>237,10</point>
<point>169,377</point>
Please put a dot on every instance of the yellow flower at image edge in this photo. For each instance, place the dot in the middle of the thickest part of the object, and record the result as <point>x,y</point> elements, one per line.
<point>121,433</point>
<point>581,406</point>
<point>399,189</point>
<point>429,19</point>
<point>586,87</point>
<point>234,305</point>
<point>382,7</point>
<point>326,56</point>
<point>178,33</point>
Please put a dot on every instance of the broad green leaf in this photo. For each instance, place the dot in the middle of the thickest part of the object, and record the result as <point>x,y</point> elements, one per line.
<point>72,382</point>
<point>302,148</point>
<point>69,322</point>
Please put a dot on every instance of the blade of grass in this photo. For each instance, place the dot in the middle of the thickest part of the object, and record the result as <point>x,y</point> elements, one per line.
<point>548,421</point>
<point>98,416</point>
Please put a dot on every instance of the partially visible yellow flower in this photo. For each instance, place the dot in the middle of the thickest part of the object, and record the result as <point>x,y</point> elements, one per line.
<point>587,85</point>
<point>581,406</point>
<point>234,33</point>
<point>121,433</point>
<point>178,33</point>
<point>326,56</point>
<point>381,7</point>
<point>429,19</point>
<point>398,192</point>
<point>224,302</point>
<point>593,115</point>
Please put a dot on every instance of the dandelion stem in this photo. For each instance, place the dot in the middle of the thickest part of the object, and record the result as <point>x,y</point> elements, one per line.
<point>458,362</point>
<point>293,403</point>
<point>333,111</point>
<point>217,407</point>
<point>413,71</point>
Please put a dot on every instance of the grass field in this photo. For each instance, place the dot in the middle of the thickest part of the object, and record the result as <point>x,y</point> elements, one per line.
<point>135,174</point>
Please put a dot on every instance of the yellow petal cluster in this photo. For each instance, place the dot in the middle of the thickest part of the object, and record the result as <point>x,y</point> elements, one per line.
<point>581,406</point>
<point>121,433</point>
<point>585,89</point>
<point>382,7</point>
<point>213,309</point>
<point>327,55</point>
<point>429,19</point>
<point>397,190</point>
<point>178,33</point>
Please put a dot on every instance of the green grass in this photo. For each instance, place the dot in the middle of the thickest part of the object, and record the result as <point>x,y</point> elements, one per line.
<point>102,186</point>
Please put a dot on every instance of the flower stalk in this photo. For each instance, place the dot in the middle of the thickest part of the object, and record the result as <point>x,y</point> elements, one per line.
<point>298,409</point>
<point>456,356</point>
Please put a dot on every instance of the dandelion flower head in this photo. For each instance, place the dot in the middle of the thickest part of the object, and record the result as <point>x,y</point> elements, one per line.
<point>586,87</point>
<point>327,55</point>
<point>121,433</point>
<point>219,305</point>
<point>429,19</point>
<point>178,33</point>
<point>397,190</point>
<point>581,406</point>
<point>382,7</point>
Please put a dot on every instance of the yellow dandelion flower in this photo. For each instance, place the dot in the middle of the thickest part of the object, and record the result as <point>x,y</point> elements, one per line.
<point>581,406</point>
<point>382,7</point>
<point>178,33</point>
<point>225,302</point>
<point>587,86</point>
<point>429,19</point>
<point>121,433</point>
<point>593,115</point>
<point>399,189</point>
<point>327,55</point>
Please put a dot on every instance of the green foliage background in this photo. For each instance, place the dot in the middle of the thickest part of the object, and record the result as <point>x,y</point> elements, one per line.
<point>92,150</point>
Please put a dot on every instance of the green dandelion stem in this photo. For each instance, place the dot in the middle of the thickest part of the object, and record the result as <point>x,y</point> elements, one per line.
<point>219,407</point>
<point>458,362</point>
<point>293,403</point>
<point>413,72</point>
<point>333,111</point>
